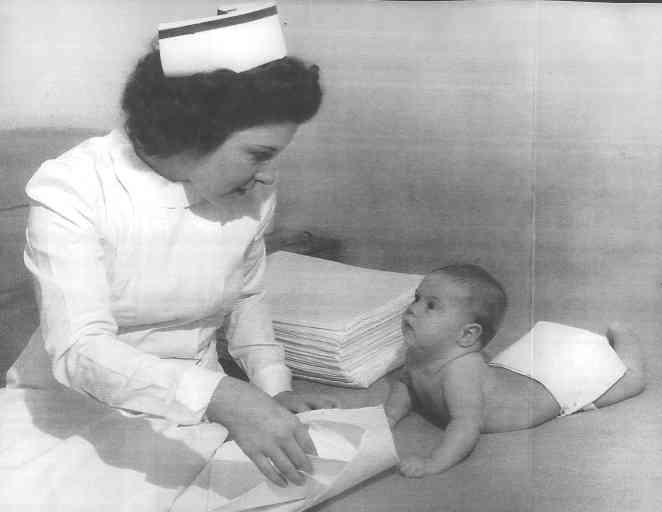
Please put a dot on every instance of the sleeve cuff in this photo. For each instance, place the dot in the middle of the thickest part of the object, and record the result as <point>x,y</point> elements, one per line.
<point>273,379</point>
<point>195,390</point>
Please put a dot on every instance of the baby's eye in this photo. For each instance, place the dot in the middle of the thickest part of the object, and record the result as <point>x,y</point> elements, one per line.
<point>431,305</point>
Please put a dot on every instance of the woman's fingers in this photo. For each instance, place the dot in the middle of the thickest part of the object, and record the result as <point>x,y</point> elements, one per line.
<point>268,470</point>
<point>331,402</point>
<point>285,463</point>
<point>303,439</point>
<point>321,401</point>
<point>301,406</point>
<point>297,454</point>
<point>301,402</point>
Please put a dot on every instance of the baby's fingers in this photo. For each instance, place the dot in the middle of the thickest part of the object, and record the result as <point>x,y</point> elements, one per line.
<point>412,467</point>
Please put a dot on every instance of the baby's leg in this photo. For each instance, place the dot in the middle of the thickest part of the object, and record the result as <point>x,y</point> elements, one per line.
<point>626,344</point>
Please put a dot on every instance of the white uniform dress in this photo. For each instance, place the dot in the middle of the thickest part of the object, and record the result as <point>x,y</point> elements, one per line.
<point>133,275</point>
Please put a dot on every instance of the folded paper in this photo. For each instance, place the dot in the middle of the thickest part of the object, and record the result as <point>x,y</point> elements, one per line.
<point>340,324</point>
<point>352,445</point>
<point>241,37</point>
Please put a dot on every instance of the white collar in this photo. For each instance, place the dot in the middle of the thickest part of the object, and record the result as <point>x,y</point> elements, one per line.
<point>143,182</point>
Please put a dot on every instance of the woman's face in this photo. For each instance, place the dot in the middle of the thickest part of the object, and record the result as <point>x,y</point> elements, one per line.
<point>240,163</point>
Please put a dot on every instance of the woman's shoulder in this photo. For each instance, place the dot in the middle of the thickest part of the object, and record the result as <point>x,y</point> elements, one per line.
<point>78,172</point>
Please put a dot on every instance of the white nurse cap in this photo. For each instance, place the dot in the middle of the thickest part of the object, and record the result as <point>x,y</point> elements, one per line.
<point>241,37</point>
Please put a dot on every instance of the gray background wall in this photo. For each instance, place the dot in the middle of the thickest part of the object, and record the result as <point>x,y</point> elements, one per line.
<point>524,136</point>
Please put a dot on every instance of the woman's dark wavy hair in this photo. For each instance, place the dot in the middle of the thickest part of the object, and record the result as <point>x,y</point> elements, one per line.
<point>169,115</point>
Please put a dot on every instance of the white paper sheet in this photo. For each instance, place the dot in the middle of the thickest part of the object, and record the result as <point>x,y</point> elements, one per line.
<point>352,445</point>
<point>340,324</point>
<point>304,291</point>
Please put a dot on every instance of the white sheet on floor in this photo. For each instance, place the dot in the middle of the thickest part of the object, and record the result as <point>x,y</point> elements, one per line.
<point>64,452</point>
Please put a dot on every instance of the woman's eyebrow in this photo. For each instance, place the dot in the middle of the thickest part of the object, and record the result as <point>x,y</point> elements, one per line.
<point>263,147</point>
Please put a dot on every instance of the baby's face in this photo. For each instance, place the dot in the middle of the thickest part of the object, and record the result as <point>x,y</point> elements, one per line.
<point>434,321</point>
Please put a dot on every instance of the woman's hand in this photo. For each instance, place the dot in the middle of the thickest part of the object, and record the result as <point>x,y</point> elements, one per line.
<point>300,402</point>
<point>272,437</point>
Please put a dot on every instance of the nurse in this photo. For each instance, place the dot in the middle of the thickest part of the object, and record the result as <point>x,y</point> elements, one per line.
<point>143,242</point>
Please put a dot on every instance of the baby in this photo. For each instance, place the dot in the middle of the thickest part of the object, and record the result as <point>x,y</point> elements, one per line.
<point>456,311</point>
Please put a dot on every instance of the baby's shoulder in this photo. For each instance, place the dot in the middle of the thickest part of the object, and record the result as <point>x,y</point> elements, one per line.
<point>466,366</point>
<point>466,372</point>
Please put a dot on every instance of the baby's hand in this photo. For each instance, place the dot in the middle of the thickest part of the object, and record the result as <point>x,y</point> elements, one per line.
<point>391,417</point>
<point>413,467</point>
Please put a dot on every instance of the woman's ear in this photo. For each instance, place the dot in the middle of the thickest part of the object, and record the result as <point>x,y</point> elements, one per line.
<point>470,335</point>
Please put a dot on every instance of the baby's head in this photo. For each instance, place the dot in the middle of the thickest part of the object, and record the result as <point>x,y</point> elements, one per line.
<point>458,304</point>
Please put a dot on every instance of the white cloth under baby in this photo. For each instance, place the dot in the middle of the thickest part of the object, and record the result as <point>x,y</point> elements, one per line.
<point>575,365</point>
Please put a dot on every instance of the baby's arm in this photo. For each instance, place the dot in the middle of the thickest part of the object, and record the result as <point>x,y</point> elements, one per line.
<point>463,396</point>
<point>398,403</point>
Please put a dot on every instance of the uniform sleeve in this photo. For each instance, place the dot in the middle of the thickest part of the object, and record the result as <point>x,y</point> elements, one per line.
<point>65,254</point>
<point>249,331</point>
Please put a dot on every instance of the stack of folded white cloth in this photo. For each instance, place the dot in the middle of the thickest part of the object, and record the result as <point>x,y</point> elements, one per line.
<point>340,324</point>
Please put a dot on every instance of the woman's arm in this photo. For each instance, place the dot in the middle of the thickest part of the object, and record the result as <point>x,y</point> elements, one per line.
<point>251,339</point>
<point>250,335</point>
<point>65,253</point>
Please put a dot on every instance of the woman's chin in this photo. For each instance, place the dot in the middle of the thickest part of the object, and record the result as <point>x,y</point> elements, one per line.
<point>224,199</point>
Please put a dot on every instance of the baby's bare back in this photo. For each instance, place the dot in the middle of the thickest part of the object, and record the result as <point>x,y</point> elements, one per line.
<point>514,402</point>
<point>510,401</point>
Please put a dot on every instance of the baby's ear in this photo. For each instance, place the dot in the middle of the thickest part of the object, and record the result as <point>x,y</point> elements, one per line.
<point>470,335</point>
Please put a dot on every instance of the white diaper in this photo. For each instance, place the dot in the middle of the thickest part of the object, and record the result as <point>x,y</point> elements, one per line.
<point>576,366</point>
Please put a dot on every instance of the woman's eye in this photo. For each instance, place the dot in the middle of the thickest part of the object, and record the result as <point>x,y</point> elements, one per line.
<point>431,305</point>
<point>260,157</point>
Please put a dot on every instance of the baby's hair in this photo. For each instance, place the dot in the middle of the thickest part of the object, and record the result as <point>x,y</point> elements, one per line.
<point>487,297</point>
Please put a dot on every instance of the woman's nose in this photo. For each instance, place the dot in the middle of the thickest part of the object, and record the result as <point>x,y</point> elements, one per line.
<point>265,176</point>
